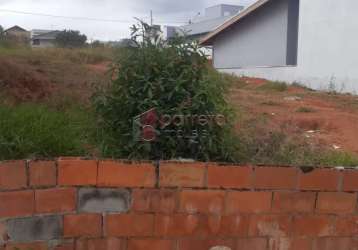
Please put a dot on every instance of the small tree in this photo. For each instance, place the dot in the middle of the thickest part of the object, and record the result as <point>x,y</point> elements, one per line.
<point>70,39</point>
<point>172,85</point>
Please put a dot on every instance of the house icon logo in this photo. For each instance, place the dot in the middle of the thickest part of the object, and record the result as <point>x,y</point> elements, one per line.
<point>145,126</point>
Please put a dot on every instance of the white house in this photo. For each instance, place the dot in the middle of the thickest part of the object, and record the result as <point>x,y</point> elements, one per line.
<point>313,42</point>
<point>43,38</point>
<point>204,23</point>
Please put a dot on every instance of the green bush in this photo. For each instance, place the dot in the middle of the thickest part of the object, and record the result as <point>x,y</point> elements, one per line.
<point>36,131</point>
<point>175,79</point>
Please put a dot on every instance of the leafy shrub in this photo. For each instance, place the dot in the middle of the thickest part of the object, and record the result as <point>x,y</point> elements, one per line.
<point>70,39</point>
<point>175,79</point>
<point>36,131</point>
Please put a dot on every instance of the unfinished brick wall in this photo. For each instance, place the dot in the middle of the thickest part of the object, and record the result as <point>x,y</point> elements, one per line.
<point>73,204</point>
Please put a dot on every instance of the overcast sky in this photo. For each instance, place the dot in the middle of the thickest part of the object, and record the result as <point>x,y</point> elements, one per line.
<point>170,12</point>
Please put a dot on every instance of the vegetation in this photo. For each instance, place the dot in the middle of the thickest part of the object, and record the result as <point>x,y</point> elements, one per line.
<point>305,110</point>
<point>71,39</point>
<point>274,86</point>
<point>78,55</point>
<point>173,78</point>
<point>176,80</point>
<point>30,130</point>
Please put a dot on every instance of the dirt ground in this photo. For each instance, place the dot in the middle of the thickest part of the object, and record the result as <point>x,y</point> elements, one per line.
<point>323,118</point>
<point>24,80</point>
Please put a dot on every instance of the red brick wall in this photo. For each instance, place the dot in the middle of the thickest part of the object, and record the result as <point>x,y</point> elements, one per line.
<point>176,206</point>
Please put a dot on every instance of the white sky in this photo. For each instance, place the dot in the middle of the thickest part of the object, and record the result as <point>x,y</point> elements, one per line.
<point>165,12</point>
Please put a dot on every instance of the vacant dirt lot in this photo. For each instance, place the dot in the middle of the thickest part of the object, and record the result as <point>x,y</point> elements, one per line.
<point>323,118</point>
<point>326,119</point>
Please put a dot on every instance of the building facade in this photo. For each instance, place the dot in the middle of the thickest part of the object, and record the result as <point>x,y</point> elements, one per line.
<point>18,35</point>
<point>312,42</point>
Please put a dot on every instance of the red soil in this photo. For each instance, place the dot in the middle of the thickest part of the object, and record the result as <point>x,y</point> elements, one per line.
<point>331,120</point>
<point>22,83</point>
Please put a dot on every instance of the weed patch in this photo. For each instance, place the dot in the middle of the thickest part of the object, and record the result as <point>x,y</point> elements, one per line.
<point>274,86</point>
<point>35,131</point>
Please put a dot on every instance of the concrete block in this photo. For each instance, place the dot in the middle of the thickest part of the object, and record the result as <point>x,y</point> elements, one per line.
<point>102,200</point>
<point>34,228</point>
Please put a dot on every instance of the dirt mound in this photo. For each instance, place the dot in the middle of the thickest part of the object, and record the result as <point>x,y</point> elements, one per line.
<point>22,82</point>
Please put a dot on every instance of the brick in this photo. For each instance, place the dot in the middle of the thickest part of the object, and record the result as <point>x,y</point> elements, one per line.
<point>34,228</point>
<point>182,175</point>
<point>297,244</point>
<point>350,180</point>
<point>336,203</point>
<point>42,173</point>
<point>176,225</point>
<point>19,203</point>
<point>77,172</point>
<point>229,226</point>
<point>199,225</point>
<point>277,226</point>
<point>193,201</point>
<point>230,177</point>
<point>252,244</point>
<point>313,226</point>
<point>152,200</point>
<point>290,244</point>
<point>13,175</point>
<point>320,179</point>
<point>248,202</point>
<point>103,200</point>
<point>199,244</point>
<point>347,226</point>
<point>333,244</point>
<point>275,178</point>
<point>117,174</point>
<point>293,202</point>
<point>126,225</point>
<point>27,246</point>
<point>144,244</point>
<point>81,225</point>
<point>55,200</point>
<point>100,244</point>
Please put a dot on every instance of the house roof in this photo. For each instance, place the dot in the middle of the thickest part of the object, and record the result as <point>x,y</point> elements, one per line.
<point>203,27</point>
<point>207,40</point>
<point>16,27</point>
<point>47,36</point>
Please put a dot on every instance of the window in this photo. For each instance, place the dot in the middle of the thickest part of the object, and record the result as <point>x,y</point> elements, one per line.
<point>36,42</point>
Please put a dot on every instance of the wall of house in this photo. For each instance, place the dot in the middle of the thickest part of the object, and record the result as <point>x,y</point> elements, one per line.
<point>258,40</point>
<point>327,46</point>
<point>45,44</point>
<point>75,204</point>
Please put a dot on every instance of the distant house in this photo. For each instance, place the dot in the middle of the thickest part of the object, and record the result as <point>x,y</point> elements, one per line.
<point>201,25</point>
<point>305,41</point>
<point>17,34</point>
<point>44,38</point>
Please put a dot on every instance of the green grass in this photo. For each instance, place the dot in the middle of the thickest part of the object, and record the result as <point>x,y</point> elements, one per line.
<point>339,159</point>
<point>305,110</point>
<point>35,131</point>
<point>274,86</point>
